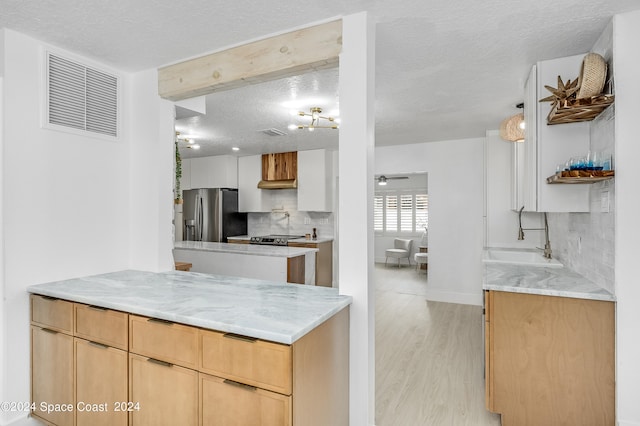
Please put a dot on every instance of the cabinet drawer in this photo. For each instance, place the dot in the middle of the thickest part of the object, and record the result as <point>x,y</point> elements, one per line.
<point>102,325</point>
<point>254,362</point>
<point>52,313</point>
<point>163,340</point>
<point>227,403</point>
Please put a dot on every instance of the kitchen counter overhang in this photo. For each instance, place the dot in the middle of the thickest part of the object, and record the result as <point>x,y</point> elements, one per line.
<point>266,310</point>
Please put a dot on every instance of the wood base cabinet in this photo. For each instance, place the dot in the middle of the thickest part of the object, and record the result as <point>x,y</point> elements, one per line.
<point>550,360</point>
<point>166,393</point>
<point>114,368</point>
<point>229,403</point>
<point>52,376</point>
<point>324,261</point>
<point>101,384</point>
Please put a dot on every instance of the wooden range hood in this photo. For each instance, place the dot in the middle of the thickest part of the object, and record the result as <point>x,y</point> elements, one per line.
<point>279,171</point>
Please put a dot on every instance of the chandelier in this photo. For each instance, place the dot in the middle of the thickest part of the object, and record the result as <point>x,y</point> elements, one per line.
<point>315,120</point>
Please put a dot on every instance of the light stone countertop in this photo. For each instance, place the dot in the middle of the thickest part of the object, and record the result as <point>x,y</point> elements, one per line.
<point>541,280</point>
<point>296,240</point>
<point>249,249</point>
<point>266,310</point>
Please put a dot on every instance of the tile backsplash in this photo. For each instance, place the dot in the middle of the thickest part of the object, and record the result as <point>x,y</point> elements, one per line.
<point>584,242</point>
<point>298,222</point>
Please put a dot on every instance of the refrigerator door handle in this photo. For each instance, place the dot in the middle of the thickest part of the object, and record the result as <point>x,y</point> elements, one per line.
<point>200,215</point>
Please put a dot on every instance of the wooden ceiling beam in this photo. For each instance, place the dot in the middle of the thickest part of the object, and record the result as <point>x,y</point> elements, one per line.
<point>284,55</point>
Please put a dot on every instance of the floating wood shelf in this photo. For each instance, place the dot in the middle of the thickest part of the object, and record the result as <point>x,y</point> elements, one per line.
<point>585,177</point>
<point>576,110</point>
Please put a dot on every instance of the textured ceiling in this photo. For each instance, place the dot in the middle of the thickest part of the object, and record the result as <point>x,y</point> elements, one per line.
<point>444,69</point>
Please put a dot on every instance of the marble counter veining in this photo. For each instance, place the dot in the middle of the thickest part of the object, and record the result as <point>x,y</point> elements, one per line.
<point>248,249</point>
<point>266,310</point>
<point>544,281</point>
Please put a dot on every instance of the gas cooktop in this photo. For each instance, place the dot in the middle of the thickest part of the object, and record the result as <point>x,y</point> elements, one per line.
<point>274,240</point>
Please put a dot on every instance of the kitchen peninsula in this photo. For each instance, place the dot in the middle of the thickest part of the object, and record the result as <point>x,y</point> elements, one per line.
<point>190,348</point>
<point>272,263</point>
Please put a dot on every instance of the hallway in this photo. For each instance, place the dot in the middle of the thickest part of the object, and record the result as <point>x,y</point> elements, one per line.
<point>428,356</point>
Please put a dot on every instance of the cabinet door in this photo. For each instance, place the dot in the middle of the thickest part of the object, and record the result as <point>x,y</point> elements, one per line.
<point>228,403</point>
<point>101,384</point>
<point>167,394</point>
<point>250,197</point>
<point>52,375</point>
<point>552,360</point>
<point>314,180</point>
<point>488,352</point>
<point>214,172</point>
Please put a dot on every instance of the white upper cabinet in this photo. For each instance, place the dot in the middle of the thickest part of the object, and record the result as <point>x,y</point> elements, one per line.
<point>219,171</point>
<point>250,197</point>
<point>546,147</point>
<point>315,180</point>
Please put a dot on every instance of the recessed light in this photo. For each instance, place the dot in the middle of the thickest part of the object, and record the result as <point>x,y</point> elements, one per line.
<point>235,148</point>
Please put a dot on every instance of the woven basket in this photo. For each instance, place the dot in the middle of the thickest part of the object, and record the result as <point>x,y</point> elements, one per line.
<point>593,74</point>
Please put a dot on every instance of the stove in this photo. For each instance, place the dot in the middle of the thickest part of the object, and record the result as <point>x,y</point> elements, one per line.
<point>274,240</point>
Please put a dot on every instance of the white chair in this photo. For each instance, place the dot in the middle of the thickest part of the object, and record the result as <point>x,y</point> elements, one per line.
<point>421,259</point>
<point>401,250</point>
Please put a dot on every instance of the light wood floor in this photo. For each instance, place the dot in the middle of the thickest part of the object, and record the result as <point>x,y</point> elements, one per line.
<point>428,356</point>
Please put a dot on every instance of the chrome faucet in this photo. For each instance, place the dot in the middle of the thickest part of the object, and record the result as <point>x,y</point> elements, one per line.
<point>547,243</point>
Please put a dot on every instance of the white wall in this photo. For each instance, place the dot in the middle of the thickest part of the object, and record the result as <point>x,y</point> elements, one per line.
<point>355,223</point>
<point>455,212</point>
<point>67,199</point>
<point>627,233</point>
<point>501,221</point>
<point>152,175</point>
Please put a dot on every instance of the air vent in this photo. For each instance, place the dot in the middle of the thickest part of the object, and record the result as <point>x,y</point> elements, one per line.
<point>273,132</point>
<point>80,97</point>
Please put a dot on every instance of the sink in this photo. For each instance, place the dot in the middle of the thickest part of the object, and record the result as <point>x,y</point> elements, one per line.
<point>519,257</point>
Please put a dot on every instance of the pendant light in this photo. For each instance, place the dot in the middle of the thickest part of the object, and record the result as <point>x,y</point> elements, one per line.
<point>512,128</point>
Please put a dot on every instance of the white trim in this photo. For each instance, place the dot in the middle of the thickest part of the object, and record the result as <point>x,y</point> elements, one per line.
<point>454,297</point>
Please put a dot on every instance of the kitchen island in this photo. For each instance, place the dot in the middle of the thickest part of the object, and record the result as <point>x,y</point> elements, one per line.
<point>324,256</point>
<point>549,346</point>
<point>190,348</point>
<point>273,263</point>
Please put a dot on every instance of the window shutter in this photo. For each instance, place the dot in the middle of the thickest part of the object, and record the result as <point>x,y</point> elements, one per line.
<point>80,97</point>
<point>392,213</point>
<point>378,214</point>
<point>422,212</point>
<point>406,213</point>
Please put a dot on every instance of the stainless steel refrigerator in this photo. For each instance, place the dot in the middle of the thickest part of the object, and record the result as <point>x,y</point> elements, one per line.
<point>211,214</point>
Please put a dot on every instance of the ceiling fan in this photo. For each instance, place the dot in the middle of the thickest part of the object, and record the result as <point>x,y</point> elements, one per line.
<point>382,179</point>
